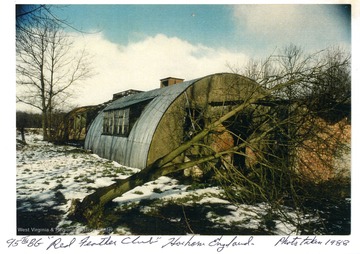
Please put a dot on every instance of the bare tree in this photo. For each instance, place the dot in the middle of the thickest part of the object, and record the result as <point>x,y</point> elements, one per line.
<point>47,67</point>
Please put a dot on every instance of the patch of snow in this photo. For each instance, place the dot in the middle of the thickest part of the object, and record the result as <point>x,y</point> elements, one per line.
<point>213,200</point>
<point>44,170</point>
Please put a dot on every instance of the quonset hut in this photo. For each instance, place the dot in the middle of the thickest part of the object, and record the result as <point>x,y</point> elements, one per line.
<point>139,128</point>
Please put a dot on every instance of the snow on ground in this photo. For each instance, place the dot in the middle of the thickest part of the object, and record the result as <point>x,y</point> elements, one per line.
<point>50,176</point>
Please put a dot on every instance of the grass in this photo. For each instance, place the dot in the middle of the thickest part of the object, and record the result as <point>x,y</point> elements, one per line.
<point>113,171</point>
<point>59,187</point>
<point>88,180</point>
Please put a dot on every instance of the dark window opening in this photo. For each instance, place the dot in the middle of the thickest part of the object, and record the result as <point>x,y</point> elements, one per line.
<point>164,83</point>
<point>119,122</point>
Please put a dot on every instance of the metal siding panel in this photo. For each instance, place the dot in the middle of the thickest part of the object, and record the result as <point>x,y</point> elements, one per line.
<point>124,104</point>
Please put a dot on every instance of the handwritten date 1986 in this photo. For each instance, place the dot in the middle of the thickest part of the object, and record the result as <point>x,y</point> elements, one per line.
<point>309,240</point>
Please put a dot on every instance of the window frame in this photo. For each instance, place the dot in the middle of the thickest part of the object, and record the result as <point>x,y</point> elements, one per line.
<point>120,121</point>
<point>116,122</point>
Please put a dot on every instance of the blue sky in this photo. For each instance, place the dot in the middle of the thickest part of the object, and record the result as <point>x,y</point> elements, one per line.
<point>254,28</point>
<point>128,23</point>
<point>134,46</point>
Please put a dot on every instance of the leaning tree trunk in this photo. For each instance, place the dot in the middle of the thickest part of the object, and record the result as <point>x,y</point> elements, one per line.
<point>90,210</point>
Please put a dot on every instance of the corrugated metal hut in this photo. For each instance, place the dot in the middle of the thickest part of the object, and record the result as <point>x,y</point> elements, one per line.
<point>75,124</point>
<point>137,129</point>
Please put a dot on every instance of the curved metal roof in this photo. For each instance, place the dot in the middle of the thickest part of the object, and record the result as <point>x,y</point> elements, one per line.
<point>133,150</point>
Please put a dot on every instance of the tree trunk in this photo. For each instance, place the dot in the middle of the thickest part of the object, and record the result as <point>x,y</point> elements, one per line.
<point>22,131</point>
<point>44,126</point>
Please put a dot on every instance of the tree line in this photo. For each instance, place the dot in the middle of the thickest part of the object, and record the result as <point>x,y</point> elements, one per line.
<point>28,120</point>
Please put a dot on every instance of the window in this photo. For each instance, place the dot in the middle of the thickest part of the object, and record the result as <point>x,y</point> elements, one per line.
<point>116,122</point>
<point>119,122</point>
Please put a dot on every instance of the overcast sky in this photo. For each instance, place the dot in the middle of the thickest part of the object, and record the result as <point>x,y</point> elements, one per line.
<point>134,46</point>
